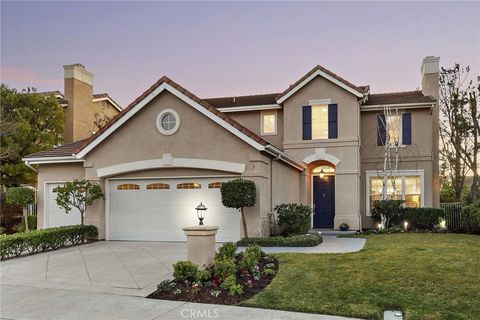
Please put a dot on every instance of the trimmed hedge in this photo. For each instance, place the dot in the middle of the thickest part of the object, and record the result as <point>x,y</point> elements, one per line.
<point>293,218</point>
<point>306,240</point>
<point>35,241</point>
<point>422,218</point>
<point>471,218</point>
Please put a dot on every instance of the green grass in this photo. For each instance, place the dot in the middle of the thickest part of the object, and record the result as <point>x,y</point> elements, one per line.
<point>428,276</point>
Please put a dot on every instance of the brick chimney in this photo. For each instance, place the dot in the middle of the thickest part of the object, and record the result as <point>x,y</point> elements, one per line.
<point>79,94</point>
<point>430,86</point>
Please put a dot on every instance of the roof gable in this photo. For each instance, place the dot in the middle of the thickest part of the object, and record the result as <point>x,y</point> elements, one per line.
<point>327,74</point>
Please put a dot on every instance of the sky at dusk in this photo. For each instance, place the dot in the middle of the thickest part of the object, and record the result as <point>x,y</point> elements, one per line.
<point>232,48</point>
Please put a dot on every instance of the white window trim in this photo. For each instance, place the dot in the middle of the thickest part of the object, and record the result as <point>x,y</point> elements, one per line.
<point>319,102</point>
<point>159,122</point>
<point>268,113</point>
<point>400,174</point>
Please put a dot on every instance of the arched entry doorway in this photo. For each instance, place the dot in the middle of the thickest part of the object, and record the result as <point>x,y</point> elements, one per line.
<point>323,195</point>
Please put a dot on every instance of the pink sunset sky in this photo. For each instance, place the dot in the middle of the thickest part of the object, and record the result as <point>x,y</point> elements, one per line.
<point>232,48</point>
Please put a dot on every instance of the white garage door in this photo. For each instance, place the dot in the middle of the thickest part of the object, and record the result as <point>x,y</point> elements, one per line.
<point>56,216</point>
<point>158,209</point>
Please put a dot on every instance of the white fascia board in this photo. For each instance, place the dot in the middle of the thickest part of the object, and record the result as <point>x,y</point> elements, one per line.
<point>313,76</point>
<point>167,162</point>
<point>399,105</point>
<point>29,161</point>
<point>279,154</point>
<point>109,100</point>
<point>250,108</point>
<point>181,96</point>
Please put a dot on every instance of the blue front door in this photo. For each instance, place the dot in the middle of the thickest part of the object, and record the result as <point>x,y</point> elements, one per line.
<point>323,201</point>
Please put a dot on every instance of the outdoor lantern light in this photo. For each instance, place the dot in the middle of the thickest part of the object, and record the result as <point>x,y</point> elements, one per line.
<point>322,173</point>
<point>443,224</point>
<point>201,213</point>
<point>405,225</point>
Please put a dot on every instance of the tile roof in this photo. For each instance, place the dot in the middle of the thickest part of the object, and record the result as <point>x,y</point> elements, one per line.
<point>105,95</point>
<point>415,96</point>
<point>361,89</point>
<point>62,151</point>
<point>75,147</point>
<point>237,101</point>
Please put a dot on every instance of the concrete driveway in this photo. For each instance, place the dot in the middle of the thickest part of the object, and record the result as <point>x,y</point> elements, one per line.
<point>128,268</point>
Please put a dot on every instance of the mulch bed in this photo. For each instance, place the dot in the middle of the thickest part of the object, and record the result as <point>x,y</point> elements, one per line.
<point>203,294</point>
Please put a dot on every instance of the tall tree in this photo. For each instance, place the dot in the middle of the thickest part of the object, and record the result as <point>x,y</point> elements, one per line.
<point>471,154</point>
<point>454,128</point>
<point>33,122</point>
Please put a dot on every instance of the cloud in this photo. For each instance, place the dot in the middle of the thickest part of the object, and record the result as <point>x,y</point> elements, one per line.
<point>14,74</point>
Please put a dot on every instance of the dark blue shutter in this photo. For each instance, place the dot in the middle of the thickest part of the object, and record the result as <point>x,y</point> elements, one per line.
<point>332,121</point>
<point>381,130</point>
<point>307,123</point>
<point>406,128</point>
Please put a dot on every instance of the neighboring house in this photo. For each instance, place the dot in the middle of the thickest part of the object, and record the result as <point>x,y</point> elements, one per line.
<point>315,143</point>
<point>85,112</point>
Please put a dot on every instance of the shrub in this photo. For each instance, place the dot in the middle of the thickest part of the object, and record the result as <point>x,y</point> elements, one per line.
<point>293,218</point>
<point>21,196</point>
<point>9,213</point>
<point>32,223</point>
<point>391,209</point>
<point>44,239</point>
<point>305,240</point>
<point>447,194</point>
<point>224,268</point>
<point>184,271</point>
<point>471,218</point>
<point>238,194</point>
<point>227,250</point>
<point>422,218</point>
<point>203,276</point>
<point>231,285</point>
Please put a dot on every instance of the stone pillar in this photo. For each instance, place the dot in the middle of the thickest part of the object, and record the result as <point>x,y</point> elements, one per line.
<point>201,244</point>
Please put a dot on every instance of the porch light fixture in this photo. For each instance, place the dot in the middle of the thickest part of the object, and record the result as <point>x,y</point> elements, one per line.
<point>201,213</point>
<point>322,174</point>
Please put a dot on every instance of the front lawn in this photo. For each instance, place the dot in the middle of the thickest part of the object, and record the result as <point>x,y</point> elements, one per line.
<point>427,275</point>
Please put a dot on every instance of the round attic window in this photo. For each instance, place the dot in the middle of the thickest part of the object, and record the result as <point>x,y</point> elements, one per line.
<point>168,122</point>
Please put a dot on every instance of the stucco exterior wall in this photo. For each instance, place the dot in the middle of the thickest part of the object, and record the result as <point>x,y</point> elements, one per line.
<point>285,184</point>
<point>54,173</point>
<point>252,120</point>
<point>346,147</point>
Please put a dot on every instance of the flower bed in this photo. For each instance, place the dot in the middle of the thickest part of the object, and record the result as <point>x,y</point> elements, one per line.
<point>233,277</point>
<point>305,240</point>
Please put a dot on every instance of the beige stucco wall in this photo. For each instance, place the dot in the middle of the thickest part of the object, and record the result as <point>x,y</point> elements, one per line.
<point>54,173</point>
<point>345,147</point>
<point>198,137</point>
<point>417,156</point>
<point>252,120</point>
<point>285,184</point>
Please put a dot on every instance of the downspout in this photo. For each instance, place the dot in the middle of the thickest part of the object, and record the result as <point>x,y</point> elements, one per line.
<point>30,166</point>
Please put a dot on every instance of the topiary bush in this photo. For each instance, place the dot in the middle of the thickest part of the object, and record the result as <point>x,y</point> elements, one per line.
<point>470,219</point>
<point>238,194</point>
<point>293,218</point>
<point>45,239</point>
<point>422,218</point>
<point>304,240</point>
<point>184,271</point>
<point>21,196</point>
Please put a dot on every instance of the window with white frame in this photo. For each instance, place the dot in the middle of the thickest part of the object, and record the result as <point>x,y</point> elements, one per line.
<point>320,122</point>
<point>269,123</point>
<point>407,186</point>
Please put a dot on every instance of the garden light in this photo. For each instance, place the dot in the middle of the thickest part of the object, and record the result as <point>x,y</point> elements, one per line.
<point>405,225</point>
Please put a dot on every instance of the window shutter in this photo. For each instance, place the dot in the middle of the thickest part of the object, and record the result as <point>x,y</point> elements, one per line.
<point>307,123</point>
<point>406,128</point>
<point>332,121</point>
<point>381,130</point>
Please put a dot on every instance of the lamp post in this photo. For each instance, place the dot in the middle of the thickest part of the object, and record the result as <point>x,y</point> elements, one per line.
<point>201,213</point>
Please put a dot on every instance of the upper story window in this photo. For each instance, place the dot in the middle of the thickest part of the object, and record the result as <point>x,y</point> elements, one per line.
<point>168,122</point>
<point>269,123</point>
<point>394,130</point>
<point>320,122</point>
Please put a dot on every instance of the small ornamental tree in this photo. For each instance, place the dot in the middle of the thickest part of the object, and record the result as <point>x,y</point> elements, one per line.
<point>22,196</point>
<point>78,194</point>
<point>238,194</point>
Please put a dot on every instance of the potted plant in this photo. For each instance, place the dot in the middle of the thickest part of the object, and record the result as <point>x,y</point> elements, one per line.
<point>344,227</point>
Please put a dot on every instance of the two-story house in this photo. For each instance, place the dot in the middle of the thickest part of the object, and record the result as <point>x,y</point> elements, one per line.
<point>319,142</point>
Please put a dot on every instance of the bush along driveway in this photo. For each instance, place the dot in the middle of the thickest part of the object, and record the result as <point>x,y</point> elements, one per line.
<point>426,275</point>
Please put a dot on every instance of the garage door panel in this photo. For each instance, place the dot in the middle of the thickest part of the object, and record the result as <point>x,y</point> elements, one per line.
<point>161,214</point>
